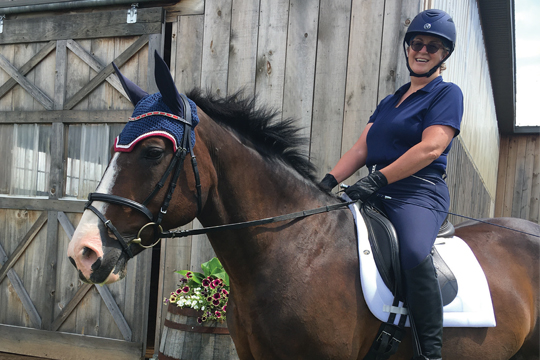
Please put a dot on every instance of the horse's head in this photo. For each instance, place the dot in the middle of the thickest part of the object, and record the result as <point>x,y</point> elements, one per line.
<point>136,197</point>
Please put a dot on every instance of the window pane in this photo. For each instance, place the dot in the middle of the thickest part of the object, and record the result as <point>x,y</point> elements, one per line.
<point>30,160</point>
<point>88,155</point>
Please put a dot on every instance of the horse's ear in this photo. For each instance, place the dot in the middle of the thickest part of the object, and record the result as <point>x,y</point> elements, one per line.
<point>165,84</point>
<point>134,92</point>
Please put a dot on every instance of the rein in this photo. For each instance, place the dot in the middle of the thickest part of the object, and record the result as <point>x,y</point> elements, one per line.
<point>245,224</point>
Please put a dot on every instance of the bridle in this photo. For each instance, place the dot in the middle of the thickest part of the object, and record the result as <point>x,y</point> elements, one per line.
<point>175,167</point>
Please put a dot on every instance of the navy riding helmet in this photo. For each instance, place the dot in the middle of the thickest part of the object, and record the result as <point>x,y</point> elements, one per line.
<point>435,23</point>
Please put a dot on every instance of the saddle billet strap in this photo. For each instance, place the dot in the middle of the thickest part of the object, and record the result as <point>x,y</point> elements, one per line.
<point>388,337</point>
<point>111,227</point>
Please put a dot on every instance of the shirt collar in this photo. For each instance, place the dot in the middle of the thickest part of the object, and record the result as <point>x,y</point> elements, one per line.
<point>402,90</point>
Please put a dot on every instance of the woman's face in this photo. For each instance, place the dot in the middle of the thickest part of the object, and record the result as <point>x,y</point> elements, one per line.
<point>422,61</point>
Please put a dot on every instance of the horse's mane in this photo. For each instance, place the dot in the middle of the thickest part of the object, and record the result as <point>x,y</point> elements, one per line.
<point>272,138</point>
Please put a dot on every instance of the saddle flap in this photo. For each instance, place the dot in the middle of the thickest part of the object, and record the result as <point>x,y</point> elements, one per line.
<point>447,279</point>
<point>385,247</point>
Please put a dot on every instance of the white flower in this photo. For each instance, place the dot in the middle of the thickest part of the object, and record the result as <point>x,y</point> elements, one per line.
<point>202,308</point>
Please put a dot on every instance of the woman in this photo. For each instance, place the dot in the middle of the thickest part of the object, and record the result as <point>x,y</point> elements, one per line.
<point>405,145</point>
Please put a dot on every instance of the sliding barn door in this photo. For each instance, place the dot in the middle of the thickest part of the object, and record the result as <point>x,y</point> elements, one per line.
<point>61,106</point>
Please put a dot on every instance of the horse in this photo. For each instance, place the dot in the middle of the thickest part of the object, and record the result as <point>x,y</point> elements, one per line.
<point>295,285</point>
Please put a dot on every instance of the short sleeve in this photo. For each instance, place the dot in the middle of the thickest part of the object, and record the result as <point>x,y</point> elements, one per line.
<point>446,108</point>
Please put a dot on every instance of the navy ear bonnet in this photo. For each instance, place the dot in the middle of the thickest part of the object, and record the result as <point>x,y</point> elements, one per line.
<point>153,115</point>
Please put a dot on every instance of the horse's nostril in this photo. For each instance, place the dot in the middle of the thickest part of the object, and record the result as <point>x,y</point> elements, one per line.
<point>72,261</point>
<point>96,265</point>
<point>87,252</point>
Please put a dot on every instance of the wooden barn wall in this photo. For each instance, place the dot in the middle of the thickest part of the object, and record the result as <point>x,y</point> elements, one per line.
<point>328,63</point>
<point>468,68</point>
<point>518,187</point>
<point>59,111</point>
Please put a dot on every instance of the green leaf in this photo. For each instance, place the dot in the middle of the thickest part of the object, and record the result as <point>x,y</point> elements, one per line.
<point>196,277</point>
<point>212,267</point>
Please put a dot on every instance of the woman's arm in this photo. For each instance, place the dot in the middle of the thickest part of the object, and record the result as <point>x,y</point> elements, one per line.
<point>435,139</point>
<point>353,159</point>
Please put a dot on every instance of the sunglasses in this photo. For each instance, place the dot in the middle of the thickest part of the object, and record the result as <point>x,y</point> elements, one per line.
<point>417,45</point>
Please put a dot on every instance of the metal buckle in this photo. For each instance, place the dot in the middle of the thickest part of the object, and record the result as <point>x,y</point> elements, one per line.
<point>138,240</point>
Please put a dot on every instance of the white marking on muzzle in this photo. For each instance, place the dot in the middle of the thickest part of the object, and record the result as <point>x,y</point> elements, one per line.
<point>87,233</point>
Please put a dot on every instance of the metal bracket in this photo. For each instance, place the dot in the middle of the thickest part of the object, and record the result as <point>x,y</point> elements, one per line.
<point>132,14</point>
<point>2,17</point>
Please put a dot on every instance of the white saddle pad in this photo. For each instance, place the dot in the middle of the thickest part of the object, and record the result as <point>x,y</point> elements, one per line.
<point>472,306</point>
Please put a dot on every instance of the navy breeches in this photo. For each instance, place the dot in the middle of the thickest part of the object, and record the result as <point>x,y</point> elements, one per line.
<point>417,210</point>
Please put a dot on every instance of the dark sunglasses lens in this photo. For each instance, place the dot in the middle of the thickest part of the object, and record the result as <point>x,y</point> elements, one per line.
<point>430,48</point>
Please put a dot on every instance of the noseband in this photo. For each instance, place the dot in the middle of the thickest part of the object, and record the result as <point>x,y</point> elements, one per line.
<point>175,165</point>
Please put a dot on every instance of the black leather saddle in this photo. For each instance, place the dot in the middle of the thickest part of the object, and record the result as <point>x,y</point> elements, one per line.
<point>385,248</point>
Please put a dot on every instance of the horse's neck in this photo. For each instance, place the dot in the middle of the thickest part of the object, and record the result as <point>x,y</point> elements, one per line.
<point>250,187</point>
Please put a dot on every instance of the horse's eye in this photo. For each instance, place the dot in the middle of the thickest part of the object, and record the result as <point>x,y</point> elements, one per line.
<point>154,153</point>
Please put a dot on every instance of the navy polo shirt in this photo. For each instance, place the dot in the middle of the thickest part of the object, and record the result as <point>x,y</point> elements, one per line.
<point>396,130</point>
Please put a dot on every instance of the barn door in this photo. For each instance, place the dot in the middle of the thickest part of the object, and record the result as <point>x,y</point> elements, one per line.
<point>61,105</point>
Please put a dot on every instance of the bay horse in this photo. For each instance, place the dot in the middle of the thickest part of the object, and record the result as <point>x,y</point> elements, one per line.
<point>295,285</point>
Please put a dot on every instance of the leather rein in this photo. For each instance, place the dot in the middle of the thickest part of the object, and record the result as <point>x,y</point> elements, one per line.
<point>175,167</point>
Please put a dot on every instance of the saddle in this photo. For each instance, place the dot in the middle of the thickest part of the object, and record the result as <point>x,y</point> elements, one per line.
<point>384,244</point>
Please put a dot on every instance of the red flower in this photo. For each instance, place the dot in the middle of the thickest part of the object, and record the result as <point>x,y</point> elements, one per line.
<point>206,282</point>
<point>189,274</point>
<point>224,308</point>
<point>215,302</point>
<point>216,296</point>
<point>185,289</point>
<point>199,320</point>
<point>218,314</point>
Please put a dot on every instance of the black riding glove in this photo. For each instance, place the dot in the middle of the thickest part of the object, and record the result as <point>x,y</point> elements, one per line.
<point>366,186</point>
<point>328,182</point>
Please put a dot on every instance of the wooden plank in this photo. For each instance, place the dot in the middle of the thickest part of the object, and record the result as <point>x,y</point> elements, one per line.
<point>61,72</point>
<point>155,43</point>
<point>67,279</point>
<point>106,72</point>
<point>57,170</point>
<point>65,116</point>
<point>41,204</point>
<point>25,84</point>
<point>534,215</point>
<point>243,46</point>
<point>81,26</point>
<point>271,53</point>
<point>510,178</point>
<point>66,224</point>
<point>184,8</point>
<point>187,52</point>
<point>330,80</point>
<point>21,292</point>
<point>215,60</point>
<point>23,244</point>
<point>29,65</point>
<point>362,72</point>
<point>59,345</point>
<point>526,194</point>
<point>96,65</point>
<point>501,176</point>
<point>518,200</point>
<point>115,311</point>
<point>300,64</point>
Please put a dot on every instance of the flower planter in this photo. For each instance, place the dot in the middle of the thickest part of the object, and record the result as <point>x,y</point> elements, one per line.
<point>184,338</point>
